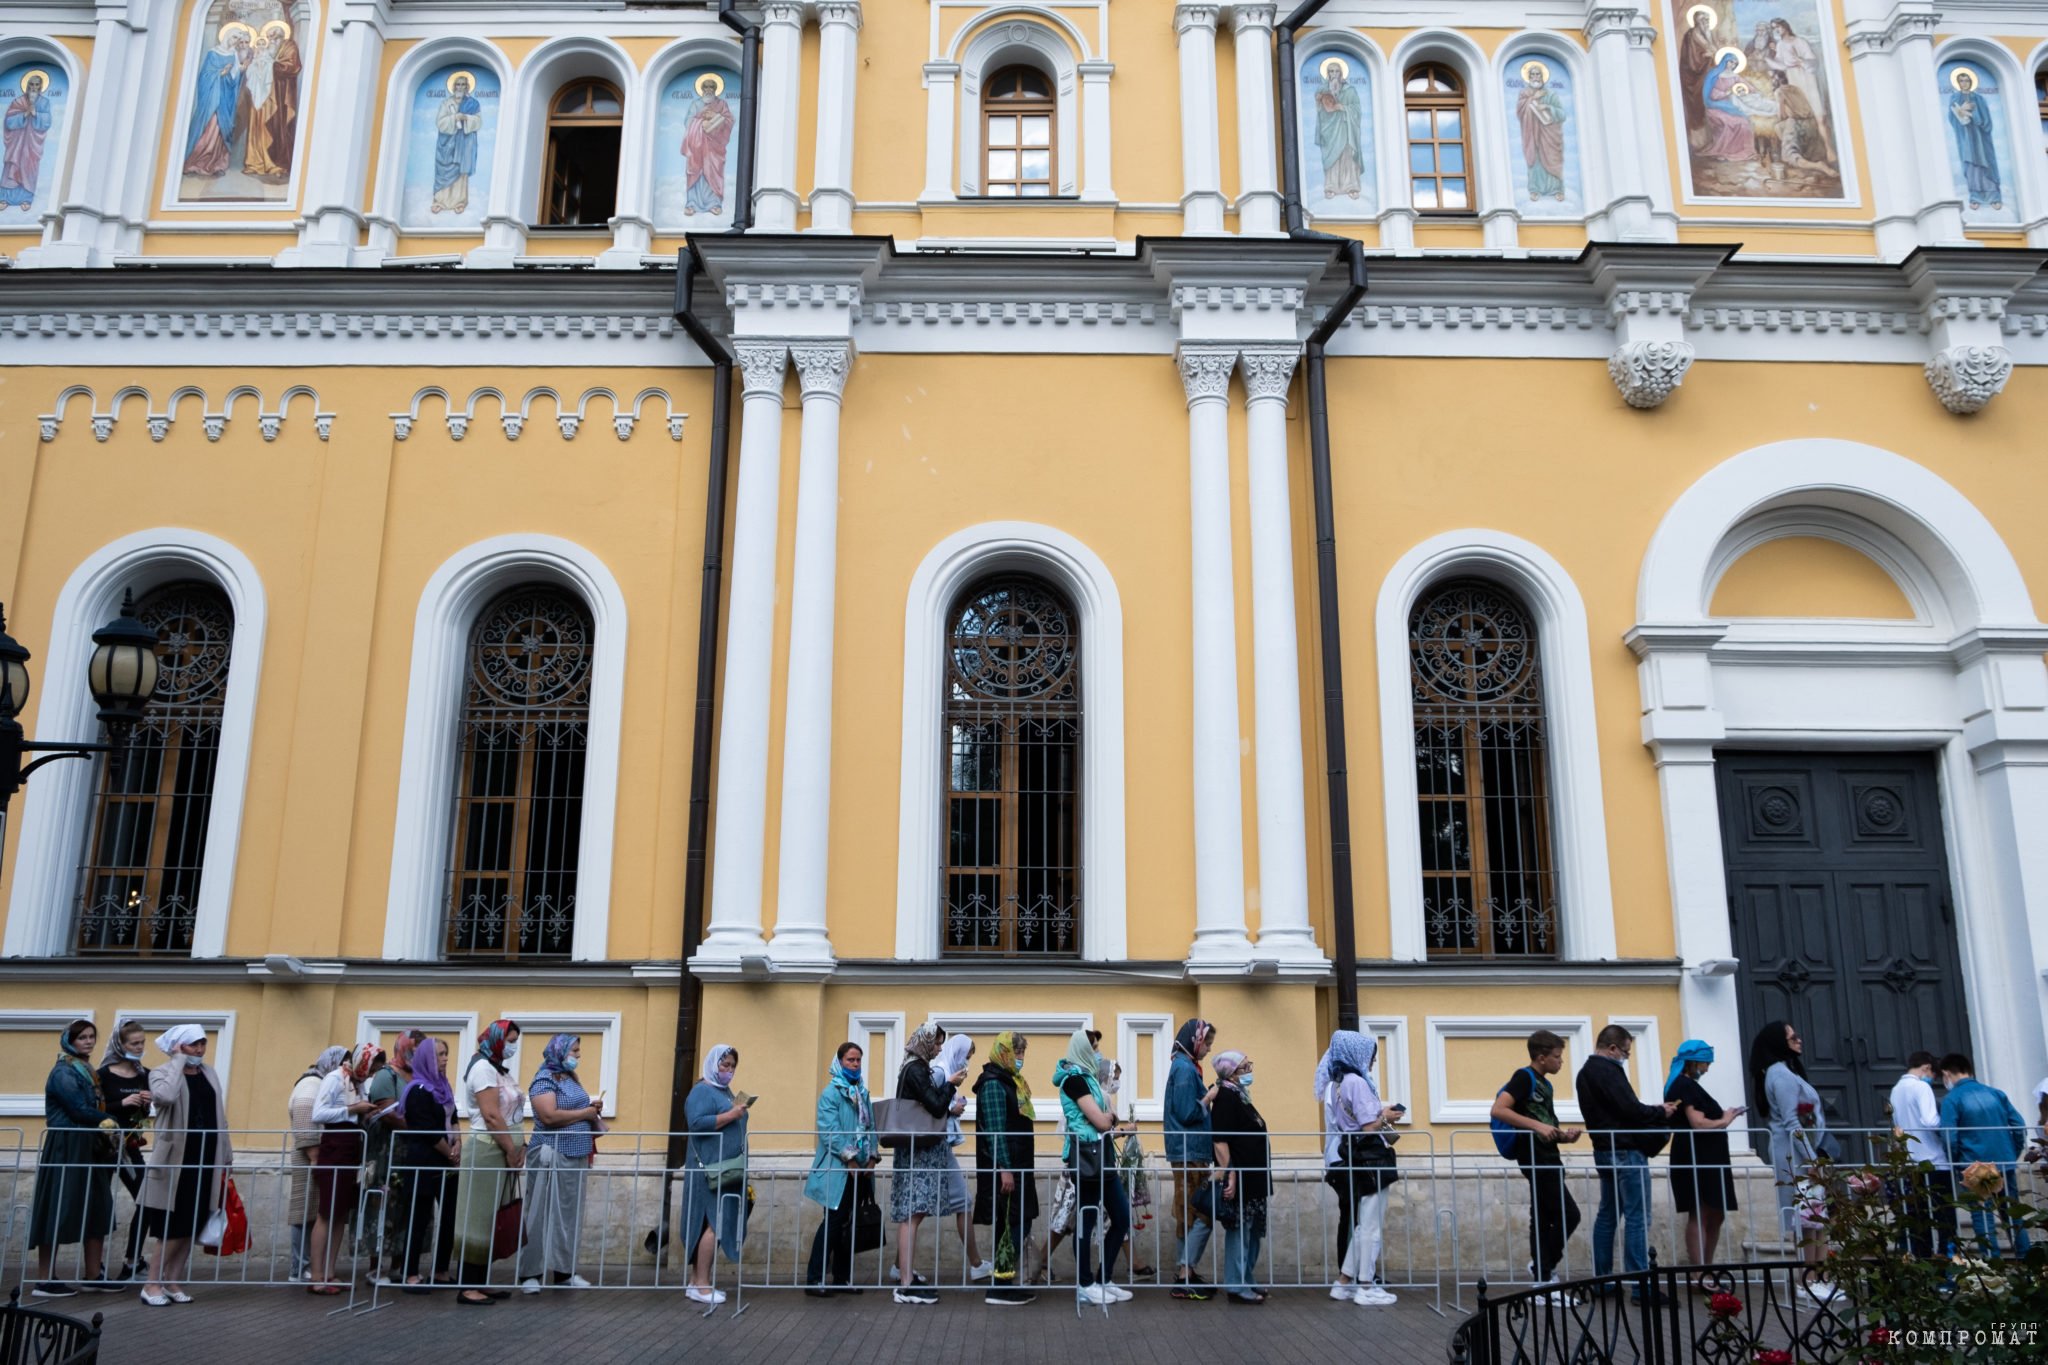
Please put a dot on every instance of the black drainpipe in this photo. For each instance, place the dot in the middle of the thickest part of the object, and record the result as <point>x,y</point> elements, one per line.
<point>690,996</point>
<point>1343,931</point>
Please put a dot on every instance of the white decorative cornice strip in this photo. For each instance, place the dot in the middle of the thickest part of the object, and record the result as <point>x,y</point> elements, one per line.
<point>988,312</point>
<point>270,421</point>
<point>1513,317</point>
<point>1746,318</point>
<point>513,419</point>
<point>335,324</point>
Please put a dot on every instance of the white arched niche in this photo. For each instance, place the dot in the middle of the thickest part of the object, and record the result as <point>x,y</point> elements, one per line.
<point>2026,194</point>
<point>1560,53</point>
<point>421,836</point>
<point>58,801</point>
<point>16,49</point>
<point>522,143</point>
<point>393,147</point>
<point>1021,38</point>
<point>1493,201</point>
<point>952,564</point>
<point>1585,897</point>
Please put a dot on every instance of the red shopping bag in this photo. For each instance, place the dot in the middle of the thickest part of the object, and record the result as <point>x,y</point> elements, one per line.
<point>235,1238</point>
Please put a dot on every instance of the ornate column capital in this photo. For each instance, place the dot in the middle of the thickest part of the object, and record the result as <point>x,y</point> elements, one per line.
<point>1253,18</point>
<point>1605,20</point>
<point>839,12</point>
<point>822,367</point>
<point>782,12</point>
<point>762,365</point>
<point>1268,372</point>
<point>1965,378</point>
<point>1195,16</point>
<point>1205,372</point>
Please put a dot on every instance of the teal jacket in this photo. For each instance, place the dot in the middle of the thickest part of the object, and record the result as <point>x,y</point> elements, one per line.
<point>841,1135</point>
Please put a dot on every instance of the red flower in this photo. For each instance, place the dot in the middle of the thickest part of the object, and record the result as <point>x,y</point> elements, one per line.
<point>1773,1358</point>
<point>1881,1336</point>
<point>1864,1185</point>
<point>1724,1305</point>
<point>1805,1110</point>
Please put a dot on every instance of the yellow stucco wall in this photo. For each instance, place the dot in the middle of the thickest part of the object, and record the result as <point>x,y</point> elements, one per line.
<point>1809,576</point>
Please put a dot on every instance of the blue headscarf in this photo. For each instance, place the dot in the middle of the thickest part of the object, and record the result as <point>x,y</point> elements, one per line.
<point>551,1056</point>
<point>1691,1050</point>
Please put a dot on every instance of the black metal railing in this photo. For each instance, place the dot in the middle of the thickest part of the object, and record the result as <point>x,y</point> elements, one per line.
<point>36,1336</point>
<point>1761,1312</point>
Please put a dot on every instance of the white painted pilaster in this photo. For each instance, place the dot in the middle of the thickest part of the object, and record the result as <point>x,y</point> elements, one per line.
<point>1200,157</point>
<point>941,93</point>
<point>1612,117</point>
<point>338,149</point>
<point>1649,117</point>
<point>1095,167</point>
<point>1258,189</point>
<point>109,172</point>
<point>838,75</point>
<point>775,197</point>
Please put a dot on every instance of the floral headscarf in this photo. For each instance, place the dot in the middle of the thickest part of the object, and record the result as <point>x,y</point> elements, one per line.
<point>924,1044</point>
<point>402,1050</point>
<point>1190,1033</point>
<point>114,1052</point>
<point>551,1056</point>
<point>1003,1053</point>
<point>1349,1051</point>
<point>1228,1064</point>
<point>362,1060</point>
<point>491,1043</point>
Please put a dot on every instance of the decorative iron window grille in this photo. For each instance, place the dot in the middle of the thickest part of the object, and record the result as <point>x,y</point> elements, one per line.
<point>146,840</point>
<point>1481,775</point>
<point>519,778</point>
<point>1012,877</point>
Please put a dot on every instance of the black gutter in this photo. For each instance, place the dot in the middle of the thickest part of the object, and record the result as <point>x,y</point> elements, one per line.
<point>689,264</point>
<point>1343,931</point>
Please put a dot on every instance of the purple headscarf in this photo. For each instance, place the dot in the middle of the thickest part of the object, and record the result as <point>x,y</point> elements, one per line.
<point>426,1075</point>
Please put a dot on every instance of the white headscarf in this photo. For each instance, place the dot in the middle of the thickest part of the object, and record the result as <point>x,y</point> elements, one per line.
<point>178,1035</point>
<point>952,1054</point>
<point>713,1058</point>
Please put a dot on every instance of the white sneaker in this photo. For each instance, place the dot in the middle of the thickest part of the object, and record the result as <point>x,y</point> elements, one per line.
<point>1095,1294</point>
<point>915,1295</point>
<point>574,1282</point>
<point>982,1271</point>
<point>1556,1298</point>
<point>1372,1296</point>
<point>1117,1292</point>
<point>1820,1291</point>
<point>713,1296</point>
<point>1343,1293</point>
<point>529,1286</point>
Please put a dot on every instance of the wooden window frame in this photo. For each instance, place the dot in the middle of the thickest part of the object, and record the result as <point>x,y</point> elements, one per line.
<point>1021,107</point>
<point>1453,99</point>
<point>587,119</point>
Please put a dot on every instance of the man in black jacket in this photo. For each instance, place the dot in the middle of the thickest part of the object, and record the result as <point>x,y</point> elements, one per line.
<point>1626,1134</point>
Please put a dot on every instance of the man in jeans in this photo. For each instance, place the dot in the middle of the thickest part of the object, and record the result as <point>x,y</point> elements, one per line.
<point>1923,1196</point>
<point>1526,1102</point>
<point>1979,1123</point>
<point>1190,1150</point>
<point>1626,1134</point>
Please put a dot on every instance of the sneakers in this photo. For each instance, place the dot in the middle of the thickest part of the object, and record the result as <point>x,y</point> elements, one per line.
<point>916,1276</point>
<point>711,1296</point>
<point>1372,1296</point>
<point>1344,1293</point>
<point>915,1294</point>
<point>1009,1298</point>
<point>52,1289</point>
<point>529,1286</point>
<point>1117,1292</point>
<point>1095,1294</point>
<point>1193,1290</point>
<point>573,1282</point>
<point>1555,1298</point>
<point>1820,1291</point>
<point>982,1271</point>
<point>102,1285</point>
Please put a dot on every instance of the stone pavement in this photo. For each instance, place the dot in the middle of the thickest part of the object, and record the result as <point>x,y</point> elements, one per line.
<point>233,1325</point>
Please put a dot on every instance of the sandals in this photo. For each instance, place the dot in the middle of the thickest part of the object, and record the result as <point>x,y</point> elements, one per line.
<point>482,1300</point>
<point>323,1289</point>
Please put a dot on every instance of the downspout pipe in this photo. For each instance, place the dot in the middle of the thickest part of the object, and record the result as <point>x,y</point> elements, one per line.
<point>689,266</point>
<point>1343,929</point>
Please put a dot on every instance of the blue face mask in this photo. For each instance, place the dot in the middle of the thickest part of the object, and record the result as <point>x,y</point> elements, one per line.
<point>131,1056</point>
<point>1244,1082</point>
<point>569,1063</point>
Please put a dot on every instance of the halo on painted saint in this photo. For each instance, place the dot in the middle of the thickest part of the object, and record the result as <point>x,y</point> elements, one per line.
<point>34,74</point>
<point>1692,16</point>
<point>1741,87</point>
<point>275,27</point>
<point>1741,57</point>
<point>455,76</point>
<point>1955,78</point>
<point>711,83</point>
<point>1533,72</point>
<point>1342,68</point>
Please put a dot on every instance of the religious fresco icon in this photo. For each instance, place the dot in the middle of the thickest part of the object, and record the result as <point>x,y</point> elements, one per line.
<point>696,162</point>
<point>1760,115</point>
<point>239,137</point>
<point>1979,146</point>
<point>35,95</point>
<point>1338,177</point>
<point>452,130</point>
<point>1543,138</point>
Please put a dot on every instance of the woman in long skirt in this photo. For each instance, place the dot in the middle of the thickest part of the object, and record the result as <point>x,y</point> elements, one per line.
<point>186,1170</point>
<point>558,1155</point>
<point>490,1155</point>
<point>715,1176</point>
<point>74,1199</point>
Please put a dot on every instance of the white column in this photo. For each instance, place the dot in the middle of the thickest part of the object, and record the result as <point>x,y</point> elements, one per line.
<point>738,853</point>
<point>1611,115</point>
<point>337,154</point>
<point>1653,159</point>
<point>782,33</point>
<point>1219,792</point>
<point>838,74</point>
<point>941,89</point>
<point>800,933</point>
<point>1200,159</point>
<point>91,219</point>
<point>1941,216</point>
<point>1258,187</point>
<point>1284,930</point>
<point>1095,168</point>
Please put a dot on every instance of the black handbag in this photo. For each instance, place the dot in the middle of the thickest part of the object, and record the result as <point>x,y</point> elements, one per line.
<point>1370,1160</point>
<point>1087,1161</point>
<point>867,1220</point>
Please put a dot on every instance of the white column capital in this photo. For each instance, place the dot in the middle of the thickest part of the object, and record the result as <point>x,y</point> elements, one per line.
<point>822,367</point>
<point>1252,18</point>
<point>782,12</point>
<point>1268,372</point>
<point>1196,16</point>
<point>762,366</point>
<point>1205,372</point>
<point>832,12</point>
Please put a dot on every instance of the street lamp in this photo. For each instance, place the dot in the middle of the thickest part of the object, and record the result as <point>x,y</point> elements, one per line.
<point>122,675</point>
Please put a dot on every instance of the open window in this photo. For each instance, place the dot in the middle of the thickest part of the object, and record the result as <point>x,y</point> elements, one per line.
<point>1018,117</point>
<point>580,180</point>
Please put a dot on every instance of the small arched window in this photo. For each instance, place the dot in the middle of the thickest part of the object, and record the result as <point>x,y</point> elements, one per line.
<point>1482,774</point>
<point>1439,159</point>
<point>1012,879</point>
<point>146,840</point>
<point>519,777</point>
<point>580,180</point>
<point>2041,99</point>
<point>1018,135</point>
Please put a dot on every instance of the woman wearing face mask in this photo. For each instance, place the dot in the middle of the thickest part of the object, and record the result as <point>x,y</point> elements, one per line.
<point>839,1178</point>
<point>1244,1162</point>
<point>566,1122</point>
<point>125,1086</point>
<point>74,1201</point>
<point>189,1158</point>
<point>305,1145</point>
<point>427,1151</point>
<point>715,1177</point>
<point>1085,1106</point>
<point>954,1054</point>
<point>338,1163</point>
<point>493,1152</point>
<point>1005,1195</point>
<point>917,1190</point>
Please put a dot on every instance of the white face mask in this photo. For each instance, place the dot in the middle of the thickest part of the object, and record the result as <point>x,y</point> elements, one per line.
<point>511,1053</point>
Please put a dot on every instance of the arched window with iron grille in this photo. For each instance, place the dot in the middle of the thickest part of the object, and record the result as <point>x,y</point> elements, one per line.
<point>1011,885</point>
<point>1481,774</point>
<point>146,839</point>
<point>519,778</point>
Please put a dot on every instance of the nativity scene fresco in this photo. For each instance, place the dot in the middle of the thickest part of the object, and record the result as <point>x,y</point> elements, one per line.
<point>1757,96</point>
<point>1979,147</point>
<point>1338,176</point>
<point>238,138</point>
<point>696,162</point>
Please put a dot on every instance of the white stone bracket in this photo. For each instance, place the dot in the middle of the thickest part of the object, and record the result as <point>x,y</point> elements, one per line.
<point>1962,294</point>
<point>214,421</point>
<point>1647,290</point>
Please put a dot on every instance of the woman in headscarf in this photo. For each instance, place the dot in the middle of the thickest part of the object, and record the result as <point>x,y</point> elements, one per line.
<point>189,1157</point>
<point>1005,1194</point>
<point>954,1055</point>
<point>715,1172</point>
<point>1798,1129</point>
<point>125,1087</point>
<point>1186,1114</point>
<point>384,1089</point>
<point>1085,1108</point>
<point>74,1197</point>
<point>305,1141</point>
<point>428,1149</point>
<point>918,1188</point>
<point>839,1178</point>
<point>493,1152</point>
<point>1351,1104</point>
<point>566,1122</point>
<point>1702,1185</point>
<point>338,1161</point>
<point>1244,1163</point>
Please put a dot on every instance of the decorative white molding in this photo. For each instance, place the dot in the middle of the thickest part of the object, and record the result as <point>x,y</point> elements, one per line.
<point>1648,292</point>
<point>1966,378</point>
<point>1151,1033</point>
<point>1033,36</point>
<point>1585,895</point>
<point>373,1025</point>
<point>878,1064</point>
<point>1646,372</point>
<point>538,1025</point>
<point>1964,296</point>
<point>1396,1085</point>
<point>1205,372</point>
<point>569,420</point>
<point>270,421</point>
<point>945,571</point>
<point>1646,1059</point>
<point>220,1023</point>
<point>22,1104</point>
<point>449,603</point>
<point>1444,1107</point>
<point>55,808</point>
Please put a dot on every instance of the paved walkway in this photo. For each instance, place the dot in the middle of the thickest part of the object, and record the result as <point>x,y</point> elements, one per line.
<point>256,1326</point>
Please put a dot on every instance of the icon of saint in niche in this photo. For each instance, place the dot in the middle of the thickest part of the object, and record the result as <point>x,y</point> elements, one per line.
<point>1339,131</point>
<point>1970,116</point>
<point>27,126</point>
<point>457,124</point>
<point>707,131</point>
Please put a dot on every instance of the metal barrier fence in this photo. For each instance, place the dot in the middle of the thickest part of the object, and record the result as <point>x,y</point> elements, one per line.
<point>1456,1215</point>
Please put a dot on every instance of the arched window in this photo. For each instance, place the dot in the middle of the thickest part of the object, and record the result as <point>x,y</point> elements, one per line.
<point>1439,163</point>
<point>580,182</point>
<point>1017,116</point>
<point>1481,774</point>
<point>519,777</point>
<point>146,840</point>
<point>1013,721</point>
<point>2041,98</point>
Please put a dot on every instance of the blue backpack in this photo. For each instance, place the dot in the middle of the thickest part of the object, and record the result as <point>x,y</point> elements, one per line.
<point>1507,1139</point>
